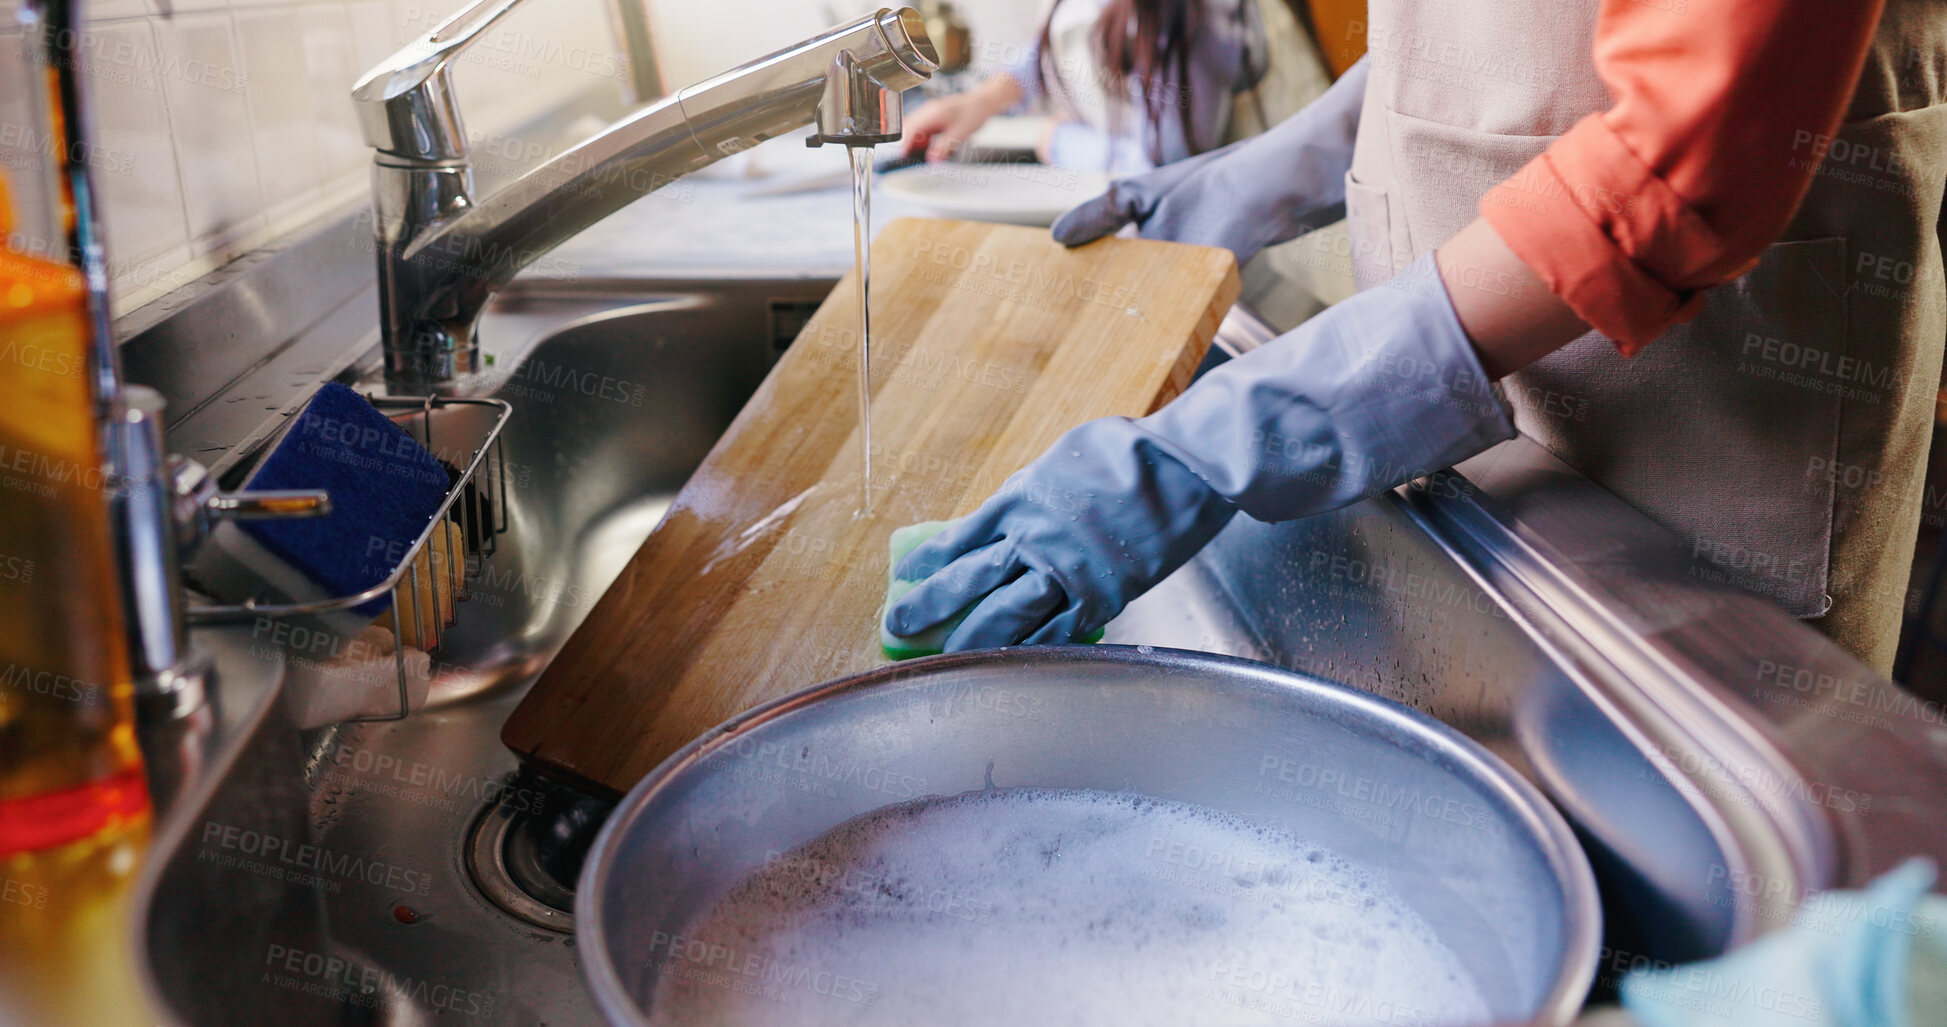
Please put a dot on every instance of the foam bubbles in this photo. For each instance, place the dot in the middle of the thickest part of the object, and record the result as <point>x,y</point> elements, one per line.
<point>1032,906</point>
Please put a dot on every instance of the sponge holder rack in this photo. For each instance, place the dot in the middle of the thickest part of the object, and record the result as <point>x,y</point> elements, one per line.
<point>476,501</point>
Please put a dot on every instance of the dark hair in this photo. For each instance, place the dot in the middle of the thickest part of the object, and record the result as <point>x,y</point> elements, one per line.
<point>1144,40</point>
<point>1149,41</point>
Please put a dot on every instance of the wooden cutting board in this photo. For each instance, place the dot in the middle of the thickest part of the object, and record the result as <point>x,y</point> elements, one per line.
<point>988,342</point>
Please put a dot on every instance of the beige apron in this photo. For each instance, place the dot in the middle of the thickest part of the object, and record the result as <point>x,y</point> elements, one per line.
<point>1784,432</point>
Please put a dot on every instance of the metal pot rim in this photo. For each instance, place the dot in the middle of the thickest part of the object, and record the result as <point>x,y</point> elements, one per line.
<point>1581,906</point>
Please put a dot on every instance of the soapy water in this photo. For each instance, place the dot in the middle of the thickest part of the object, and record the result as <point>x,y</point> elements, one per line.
<point>1039,906</point>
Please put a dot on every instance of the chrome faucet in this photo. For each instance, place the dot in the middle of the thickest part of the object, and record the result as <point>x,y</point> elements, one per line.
<point>442,253</point>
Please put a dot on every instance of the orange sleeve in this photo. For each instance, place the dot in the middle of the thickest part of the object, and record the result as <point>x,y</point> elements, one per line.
<point>1722,112</point>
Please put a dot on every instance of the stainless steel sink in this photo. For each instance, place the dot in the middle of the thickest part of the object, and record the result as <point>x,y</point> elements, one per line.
<point>619,390</point>
<point>411,872</point>
<point>385,872</point>
<point>392,872</point>
<point>324,878</point>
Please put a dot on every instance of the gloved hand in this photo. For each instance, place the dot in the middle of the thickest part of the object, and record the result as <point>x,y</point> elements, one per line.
<point>1375,391</point>
<point>1254,193</point>
<point>1870,958</point>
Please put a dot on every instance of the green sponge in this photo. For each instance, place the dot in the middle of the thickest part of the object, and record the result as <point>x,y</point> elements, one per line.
<point>932,641</point>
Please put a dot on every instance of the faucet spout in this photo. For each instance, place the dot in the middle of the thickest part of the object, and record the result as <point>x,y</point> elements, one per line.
<point>442,254</point>
<point>856,110</point>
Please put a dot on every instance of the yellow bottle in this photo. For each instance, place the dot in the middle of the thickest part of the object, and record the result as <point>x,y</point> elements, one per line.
<point>74,807</point>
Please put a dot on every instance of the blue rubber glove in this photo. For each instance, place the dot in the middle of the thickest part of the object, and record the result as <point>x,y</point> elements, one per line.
<point>1375,391</point>
<point>1254,193</point>
<point>1869,958</point>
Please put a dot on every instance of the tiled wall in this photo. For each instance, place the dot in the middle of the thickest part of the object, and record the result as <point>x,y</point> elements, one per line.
<point>221,125</point>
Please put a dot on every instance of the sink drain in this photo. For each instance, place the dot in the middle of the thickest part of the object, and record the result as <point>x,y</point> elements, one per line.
<point>526,859</point>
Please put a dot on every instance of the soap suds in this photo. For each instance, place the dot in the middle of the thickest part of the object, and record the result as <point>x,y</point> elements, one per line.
<point>1036,906</point>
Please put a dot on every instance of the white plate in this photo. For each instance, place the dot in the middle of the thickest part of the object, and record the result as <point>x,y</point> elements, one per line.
<point>1018,194</point>
<point>1010,132</point>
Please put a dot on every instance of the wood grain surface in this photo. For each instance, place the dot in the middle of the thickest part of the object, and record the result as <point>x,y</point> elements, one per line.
<point>765,577</point>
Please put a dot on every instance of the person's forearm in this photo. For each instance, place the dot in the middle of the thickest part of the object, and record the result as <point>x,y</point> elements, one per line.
<point>1506,309</point>
<point>1700,163</point>
<point>939,127</point>
<point>998,92</point>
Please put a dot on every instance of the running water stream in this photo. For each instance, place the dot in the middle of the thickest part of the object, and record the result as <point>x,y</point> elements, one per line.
<point>862,266</point>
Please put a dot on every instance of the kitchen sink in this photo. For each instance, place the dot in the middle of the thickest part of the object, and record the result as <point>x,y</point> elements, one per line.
<point>411,871</point>
<point>324,877</point>
<point>394,872</point>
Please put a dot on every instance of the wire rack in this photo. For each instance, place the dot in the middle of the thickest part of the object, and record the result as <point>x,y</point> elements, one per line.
<point>475,507</point>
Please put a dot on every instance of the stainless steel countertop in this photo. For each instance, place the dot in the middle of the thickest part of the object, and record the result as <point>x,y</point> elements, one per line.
<point>725,220</point>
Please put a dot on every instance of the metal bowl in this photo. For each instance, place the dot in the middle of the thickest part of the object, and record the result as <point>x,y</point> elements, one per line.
<point>1465,841</point>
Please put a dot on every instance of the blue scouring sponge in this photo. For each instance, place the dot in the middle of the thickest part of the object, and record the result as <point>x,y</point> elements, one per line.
<point>384,488</point>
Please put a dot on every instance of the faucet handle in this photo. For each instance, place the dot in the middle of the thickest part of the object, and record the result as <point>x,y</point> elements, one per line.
<point>860,103</point>
<point>855,108</point>
<point>199,504</point>
<point>406,106</point>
